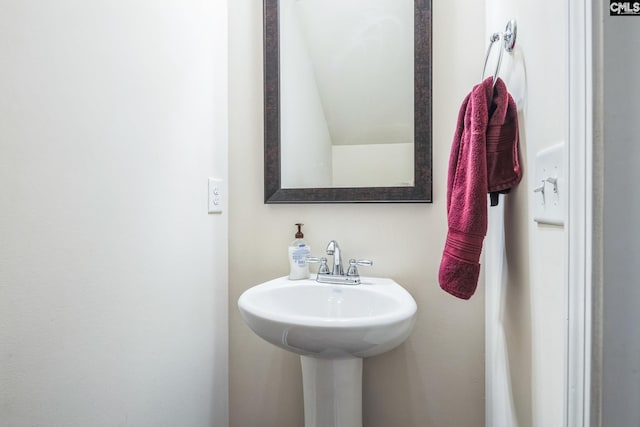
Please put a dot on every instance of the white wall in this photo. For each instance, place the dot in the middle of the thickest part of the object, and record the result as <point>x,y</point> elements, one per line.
<point>436,378</point>
<point>362,54</point>
<point>530,309</point>
<point>113,298</point>
<point>306,153</point>
<point>621,296</point>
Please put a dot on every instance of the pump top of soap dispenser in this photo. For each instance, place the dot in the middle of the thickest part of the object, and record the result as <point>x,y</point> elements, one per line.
<point>299,240</point>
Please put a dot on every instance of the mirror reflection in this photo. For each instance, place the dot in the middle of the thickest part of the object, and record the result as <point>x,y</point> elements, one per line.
<point>347,93</point>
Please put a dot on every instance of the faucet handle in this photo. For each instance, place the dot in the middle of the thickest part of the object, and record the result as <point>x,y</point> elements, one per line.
<point>353,270</point>
<point>324,268</point>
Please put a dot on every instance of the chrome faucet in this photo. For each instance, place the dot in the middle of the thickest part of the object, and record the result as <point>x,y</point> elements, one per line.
<point>334,249</point>
<point>336,274</point>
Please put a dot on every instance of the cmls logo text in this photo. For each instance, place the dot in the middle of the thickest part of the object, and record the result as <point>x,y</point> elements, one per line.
<point>619,8</point>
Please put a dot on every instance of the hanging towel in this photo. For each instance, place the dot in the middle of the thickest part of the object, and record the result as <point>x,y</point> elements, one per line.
<point>484,158</point>
<point>503,166</point>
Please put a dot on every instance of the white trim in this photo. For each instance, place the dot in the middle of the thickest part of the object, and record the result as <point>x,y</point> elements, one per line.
<point>579,215</point>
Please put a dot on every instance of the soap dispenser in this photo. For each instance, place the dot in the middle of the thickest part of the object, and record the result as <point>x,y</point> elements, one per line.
<point>298,253</point>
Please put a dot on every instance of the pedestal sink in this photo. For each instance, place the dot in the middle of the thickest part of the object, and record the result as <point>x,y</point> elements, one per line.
<point>332,327</point>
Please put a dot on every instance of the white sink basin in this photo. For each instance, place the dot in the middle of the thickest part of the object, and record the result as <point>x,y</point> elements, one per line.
<point>330,321</point>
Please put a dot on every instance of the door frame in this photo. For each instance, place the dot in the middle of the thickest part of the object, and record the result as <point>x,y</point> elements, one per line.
<point>579,236</point>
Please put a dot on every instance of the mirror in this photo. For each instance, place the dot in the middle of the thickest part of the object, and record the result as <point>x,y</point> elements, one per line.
<point>347,101</point>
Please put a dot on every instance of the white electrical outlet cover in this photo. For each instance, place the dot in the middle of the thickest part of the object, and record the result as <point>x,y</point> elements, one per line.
<point>216,199</point>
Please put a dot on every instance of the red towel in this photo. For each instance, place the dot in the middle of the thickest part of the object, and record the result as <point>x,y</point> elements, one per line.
<point>484,158</point>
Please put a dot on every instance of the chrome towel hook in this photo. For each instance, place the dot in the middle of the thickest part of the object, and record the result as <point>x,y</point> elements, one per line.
<point>509,41</point>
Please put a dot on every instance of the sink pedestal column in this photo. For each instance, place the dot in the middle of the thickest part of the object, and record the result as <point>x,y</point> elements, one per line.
<point>332,392</point>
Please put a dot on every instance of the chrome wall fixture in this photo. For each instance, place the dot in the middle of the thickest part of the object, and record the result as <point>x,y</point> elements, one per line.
<point>508,38</point>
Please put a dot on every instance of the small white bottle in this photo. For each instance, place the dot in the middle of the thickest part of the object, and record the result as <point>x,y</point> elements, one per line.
<point>298,252</point>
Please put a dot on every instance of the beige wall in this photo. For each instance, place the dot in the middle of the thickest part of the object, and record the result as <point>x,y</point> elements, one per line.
<point>377,165</point>
<point>437,377</point>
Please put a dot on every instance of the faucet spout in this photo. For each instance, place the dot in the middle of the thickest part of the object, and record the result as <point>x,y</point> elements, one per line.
<point>336,274</point>
<point>334,250</point>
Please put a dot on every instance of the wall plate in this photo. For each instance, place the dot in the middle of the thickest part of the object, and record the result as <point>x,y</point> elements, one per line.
<point>549,188</point>
<point>216,199</point>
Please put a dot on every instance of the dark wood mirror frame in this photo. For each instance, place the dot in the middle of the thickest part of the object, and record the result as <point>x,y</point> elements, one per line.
<point>421,191</point>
